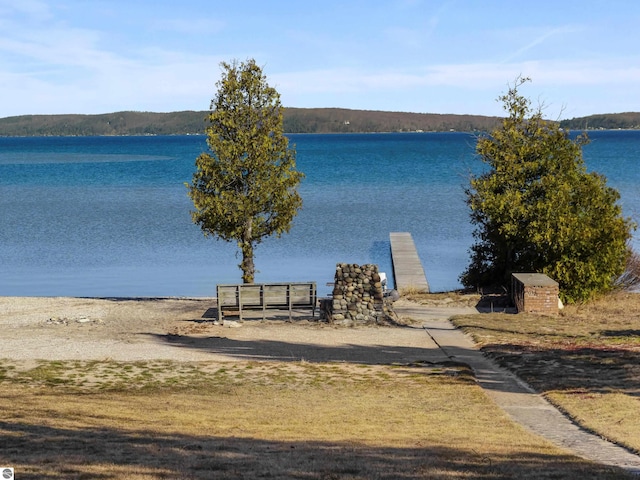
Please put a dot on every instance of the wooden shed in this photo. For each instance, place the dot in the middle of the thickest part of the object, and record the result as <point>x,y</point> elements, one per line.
<point>534,293</point>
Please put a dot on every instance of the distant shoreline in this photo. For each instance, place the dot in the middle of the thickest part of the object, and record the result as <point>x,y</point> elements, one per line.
<point>296,120</point>
<point>133,135</point>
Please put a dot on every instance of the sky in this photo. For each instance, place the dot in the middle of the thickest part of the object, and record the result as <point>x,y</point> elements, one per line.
<point>426,56</point>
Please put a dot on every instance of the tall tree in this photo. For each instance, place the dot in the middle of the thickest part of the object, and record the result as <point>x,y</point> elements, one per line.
<point>537,209</point>
<point>245,188</point>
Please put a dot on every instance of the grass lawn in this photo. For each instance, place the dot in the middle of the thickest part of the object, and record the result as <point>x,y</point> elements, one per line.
<point>295,420</point>
<point>586,360</point>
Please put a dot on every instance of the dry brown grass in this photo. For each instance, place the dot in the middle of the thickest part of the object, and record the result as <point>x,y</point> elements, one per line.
<point>295,420</point>
<point>443,299</point>
<point>586,360</point>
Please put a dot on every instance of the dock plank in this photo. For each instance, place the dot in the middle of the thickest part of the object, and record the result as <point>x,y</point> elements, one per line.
<point>407,268</point>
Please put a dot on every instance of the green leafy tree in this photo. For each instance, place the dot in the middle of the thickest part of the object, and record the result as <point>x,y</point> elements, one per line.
<point>245,189</point>
<point>537,209</point>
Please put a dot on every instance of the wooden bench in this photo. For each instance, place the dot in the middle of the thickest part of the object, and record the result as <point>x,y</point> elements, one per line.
<point>261,296</point>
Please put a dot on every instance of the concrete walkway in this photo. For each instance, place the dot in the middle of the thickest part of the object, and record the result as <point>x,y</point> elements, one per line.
<point>511,394</point>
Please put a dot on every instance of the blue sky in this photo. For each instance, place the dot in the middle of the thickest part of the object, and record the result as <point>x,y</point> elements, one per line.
<point>428,56</point>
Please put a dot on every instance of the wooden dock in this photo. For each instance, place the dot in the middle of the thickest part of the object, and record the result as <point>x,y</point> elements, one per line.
<point>407,268</point>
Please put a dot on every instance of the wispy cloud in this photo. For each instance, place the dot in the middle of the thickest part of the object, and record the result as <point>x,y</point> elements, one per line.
<point>538,39</point>
<point>56,68</point>
<point>88,57</point>
<point>477,82</point>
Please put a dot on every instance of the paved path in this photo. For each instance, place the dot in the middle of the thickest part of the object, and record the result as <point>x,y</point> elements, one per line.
<point>511,394</point>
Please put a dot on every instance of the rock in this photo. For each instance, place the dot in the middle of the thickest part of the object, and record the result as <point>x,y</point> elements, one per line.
<point>393,295</point>
<point>57,321</point>
<point>361,294</point>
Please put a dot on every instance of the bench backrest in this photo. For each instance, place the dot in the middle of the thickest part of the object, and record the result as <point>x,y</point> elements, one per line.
<point>267,295</point>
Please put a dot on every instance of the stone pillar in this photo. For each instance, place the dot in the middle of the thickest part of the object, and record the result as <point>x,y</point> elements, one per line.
<point>358,296</point>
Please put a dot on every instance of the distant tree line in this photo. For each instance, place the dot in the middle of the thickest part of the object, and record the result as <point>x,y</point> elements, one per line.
<point>296,120</point>
<point>340,120</point>
<point>609,121</point>
<point>119,123</point>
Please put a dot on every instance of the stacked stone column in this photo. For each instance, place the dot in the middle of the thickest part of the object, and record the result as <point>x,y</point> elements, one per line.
<point>357,295</point>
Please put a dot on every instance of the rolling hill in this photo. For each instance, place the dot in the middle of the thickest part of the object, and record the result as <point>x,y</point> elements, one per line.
<point>296,120</point>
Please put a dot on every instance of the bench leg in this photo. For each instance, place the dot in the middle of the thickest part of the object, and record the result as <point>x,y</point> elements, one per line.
<point>220,303</point>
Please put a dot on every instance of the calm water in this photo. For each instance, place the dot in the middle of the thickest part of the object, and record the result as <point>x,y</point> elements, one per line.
<point>109,216</point>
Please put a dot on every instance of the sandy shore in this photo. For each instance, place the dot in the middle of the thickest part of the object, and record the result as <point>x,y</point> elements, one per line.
<point>179,329</point>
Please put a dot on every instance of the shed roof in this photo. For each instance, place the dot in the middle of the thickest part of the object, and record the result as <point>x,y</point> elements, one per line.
<point>535,280</point>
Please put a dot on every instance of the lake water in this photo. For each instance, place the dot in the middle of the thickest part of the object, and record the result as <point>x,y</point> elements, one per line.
<point>109,216</point>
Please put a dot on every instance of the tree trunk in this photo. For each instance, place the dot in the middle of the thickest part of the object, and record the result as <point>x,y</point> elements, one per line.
<point>247,266</point>
<point>246,245</point>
